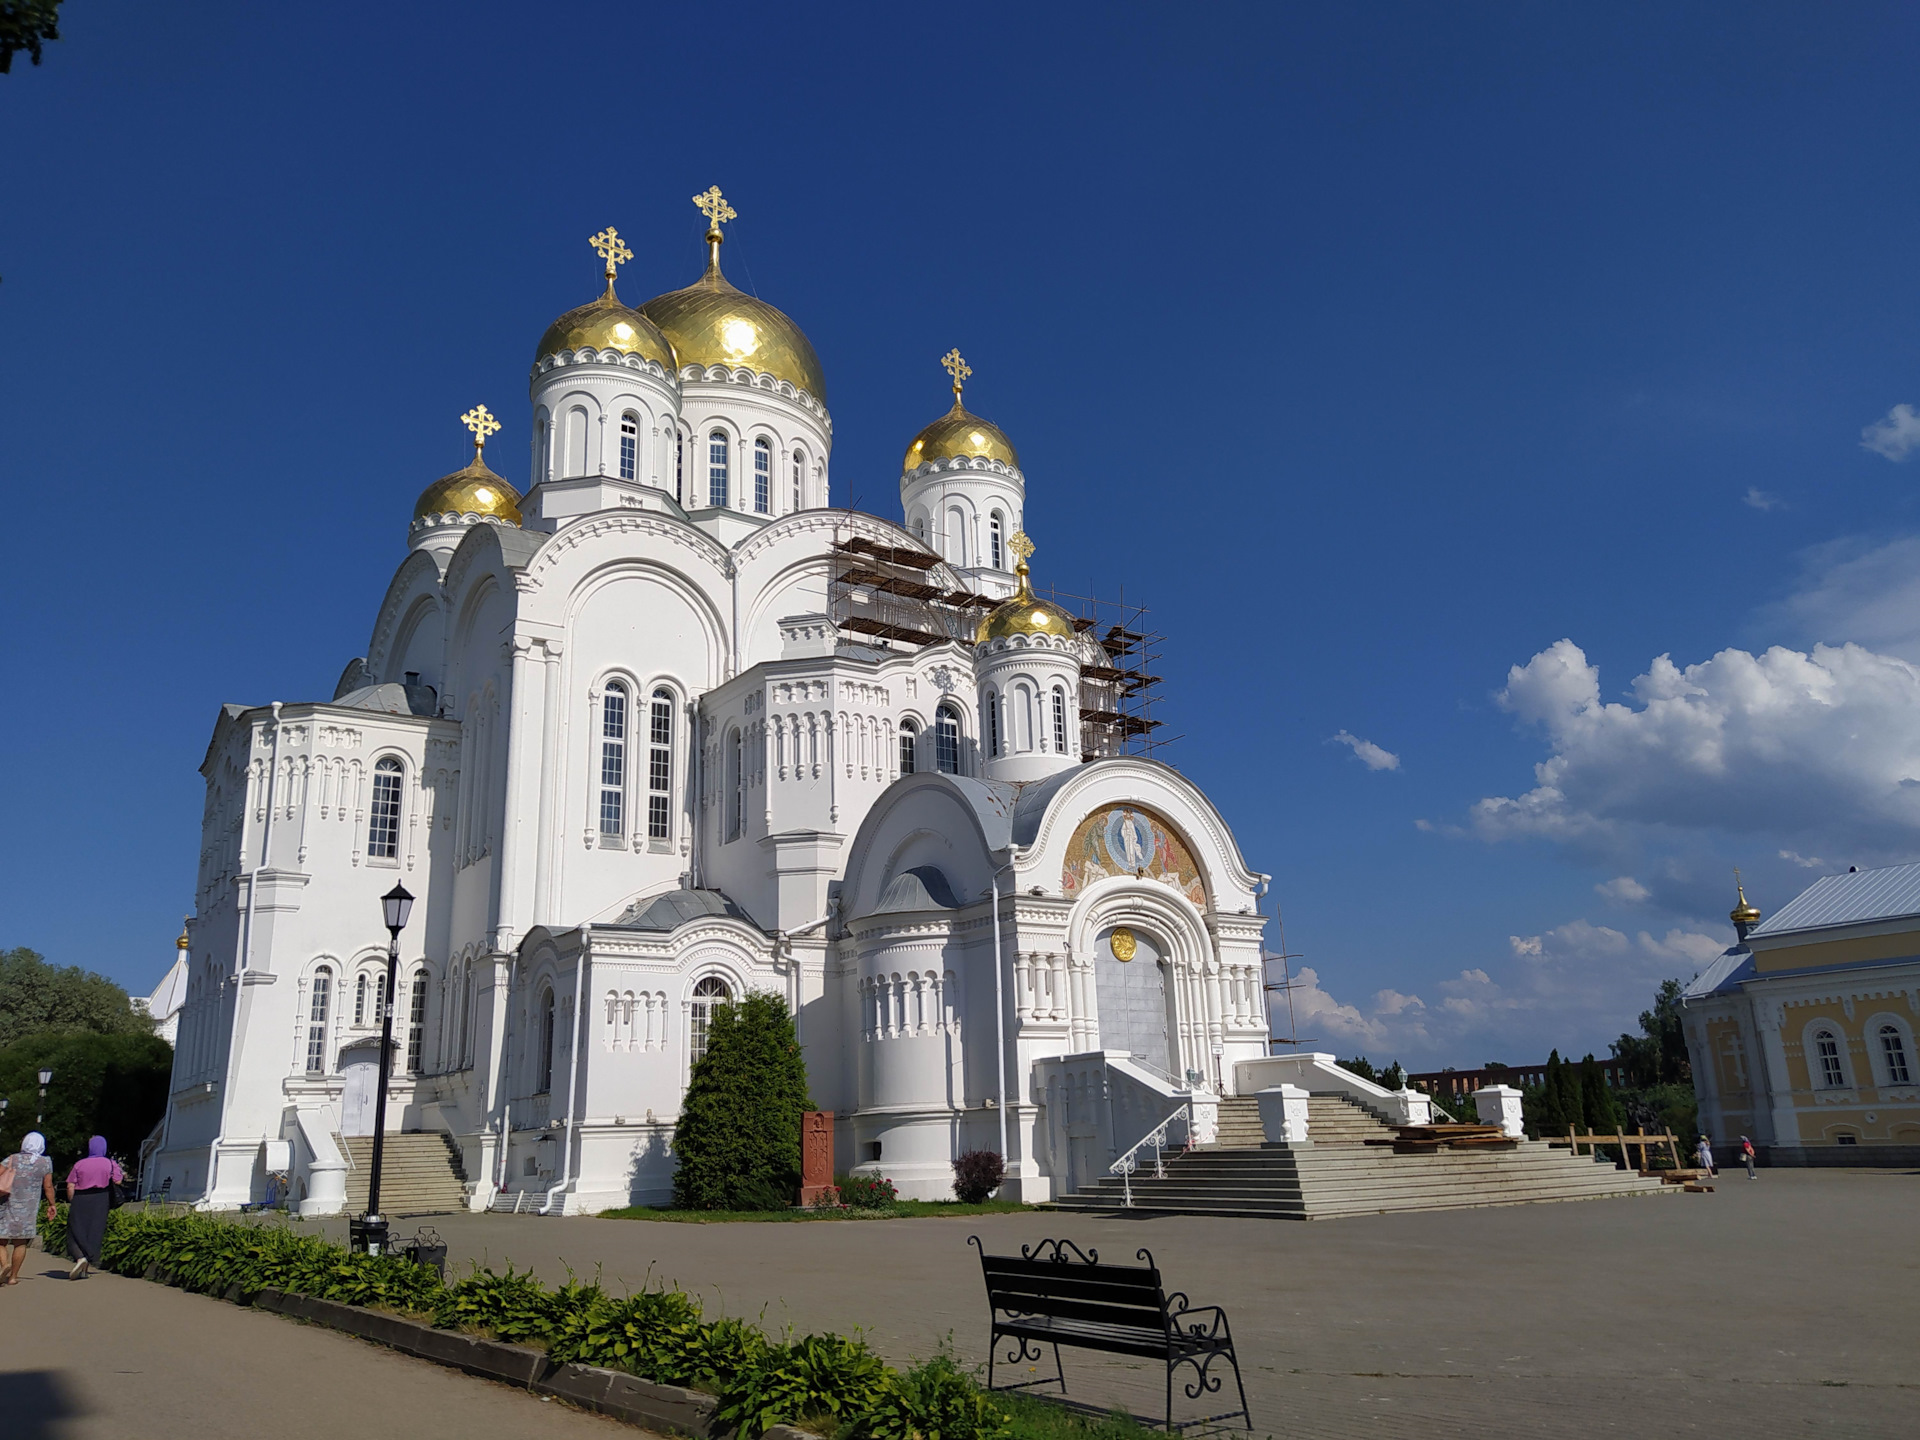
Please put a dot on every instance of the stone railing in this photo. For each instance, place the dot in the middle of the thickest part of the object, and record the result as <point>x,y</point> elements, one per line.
<point>1320,1074</point>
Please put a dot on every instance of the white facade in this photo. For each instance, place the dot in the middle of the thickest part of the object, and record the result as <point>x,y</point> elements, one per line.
<point>628,766</point>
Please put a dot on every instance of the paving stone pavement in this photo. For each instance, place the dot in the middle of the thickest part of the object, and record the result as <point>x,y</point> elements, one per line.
<point>1786,1305</point>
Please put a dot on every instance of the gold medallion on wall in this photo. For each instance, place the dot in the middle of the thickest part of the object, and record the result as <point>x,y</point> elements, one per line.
<point>1123,944</point>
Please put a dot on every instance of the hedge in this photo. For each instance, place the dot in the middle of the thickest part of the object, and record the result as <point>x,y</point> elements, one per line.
<point>828,1382</point>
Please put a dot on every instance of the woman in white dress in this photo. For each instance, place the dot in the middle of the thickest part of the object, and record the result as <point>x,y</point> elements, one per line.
<point>32,1175</point>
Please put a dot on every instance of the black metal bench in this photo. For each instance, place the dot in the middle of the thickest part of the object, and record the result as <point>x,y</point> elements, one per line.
<point>1044,1296</point>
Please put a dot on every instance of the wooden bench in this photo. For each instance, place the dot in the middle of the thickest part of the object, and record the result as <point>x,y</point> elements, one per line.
<point>1055,1294</point>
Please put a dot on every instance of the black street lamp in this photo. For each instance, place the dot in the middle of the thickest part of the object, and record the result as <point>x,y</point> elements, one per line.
<point>46,1079</point>
<point>396,905</point>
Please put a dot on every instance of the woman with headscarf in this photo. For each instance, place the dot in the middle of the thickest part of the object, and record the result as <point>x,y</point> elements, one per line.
<point>32,1178</point>
<point>87,1189</point>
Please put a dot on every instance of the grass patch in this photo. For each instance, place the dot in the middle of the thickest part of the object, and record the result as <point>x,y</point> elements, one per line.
<point>899,1210</point>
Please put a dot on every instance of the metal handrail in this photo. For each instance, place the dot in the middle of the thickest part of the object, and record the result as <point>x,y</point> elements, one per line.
<point>1156,1137</point>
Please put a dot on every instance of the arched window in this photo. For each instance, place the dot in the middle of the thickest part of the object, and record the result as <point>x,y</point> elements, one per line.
<point>717,468</point>
<point>707,993</point>
<point>995,528</point>
<point>762,477</point>
<point>679,468</point>
<point>463,996</point>
<point>383,822</point>
<point>577,424</point>
<point>379,997</point>
<point>546,1042</point>
<point>360,999</point>
<point>317,1020</point>
<point>542,450</point>
<point>956,535</point>
<point>660,765</point>
<point>1827,1048</point>
<point>908,738</point>
<point>1059,720</point>
<point>613,758</point>
<point>1893,1055</point>
<point>799,478</point>
<point>735,785</point>
<point>1020,719</point>
<point>946,740</point>
<point>417,1022</point>
<point>629,444</point>
<point>990,721</point>
<point>920,528</point>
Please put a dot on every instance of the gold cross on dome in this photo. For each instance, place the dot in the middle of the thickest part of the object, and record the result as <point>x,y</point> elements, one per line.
<point>612,249</point>
<point>956,367</point>
<point>1020,544</point>
<point>716,209</point>
<point>481,422</point>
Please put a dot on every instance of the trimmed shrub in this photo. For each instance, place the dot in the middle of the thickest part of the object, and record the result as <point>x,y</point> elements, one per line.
<point>977,1174</point>
<point>737,1143</point>
<point>867,1192</point>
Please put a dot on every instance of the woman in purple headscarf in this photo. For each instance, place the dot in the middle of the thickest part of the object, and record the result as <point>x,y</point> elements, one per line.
<point>32,1175</point>
<point>87,1205</point>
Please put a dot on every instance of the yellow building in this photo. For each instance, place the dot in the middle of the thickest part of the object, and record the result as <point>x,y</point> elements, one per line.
<point>1802,1035</point>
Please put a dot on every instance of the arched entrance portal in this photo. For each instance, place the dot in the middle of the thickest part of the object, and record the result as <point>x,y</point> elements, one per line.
<point>1130,991</point>
<point>360,1081</point>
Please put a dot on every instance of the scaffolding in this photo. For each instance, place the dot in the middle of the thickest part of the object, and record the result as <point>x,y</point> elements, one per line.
<point>1117,679</point>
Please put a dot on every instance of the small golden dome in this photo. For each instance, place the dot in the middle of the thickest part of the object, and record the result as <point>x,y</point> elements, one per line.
<point>1745,912</point>
<point>711,323</point>
<point>183,943</point>
<point>606,324</point>
<point>1025,613</point>
<point>960,432</point>
<point>475,490</point>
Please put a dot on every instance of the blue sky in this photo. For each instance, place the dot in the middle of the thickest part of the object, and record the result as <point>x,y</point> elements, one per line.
<point>1379,349</point>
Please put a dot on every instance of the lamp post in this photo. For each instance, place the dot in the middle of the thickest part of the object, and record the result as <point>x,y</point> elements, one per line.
<point>46,1079</point>
<point>395,905</point>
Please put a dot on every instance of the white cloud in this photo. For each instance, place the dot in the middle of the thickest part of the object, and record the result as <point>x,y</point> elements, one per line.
<point>1371,755</point>
<point>1896,435</point>
<point>1821,747</point>
<point>1859,590</point>
<point>1622,890</point>
<point>1761,499</point>
<point>1805,862</point>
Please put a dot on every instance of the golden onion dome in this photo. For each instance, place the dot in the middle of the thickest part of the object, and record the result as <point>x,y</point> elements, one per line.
<point>960,432</point>
<point>183,943</point>
<point>606,324</point>
<point>1745,912</point>
<point>475,490</point>
<point>711,323</point>
<point>1025,613</point>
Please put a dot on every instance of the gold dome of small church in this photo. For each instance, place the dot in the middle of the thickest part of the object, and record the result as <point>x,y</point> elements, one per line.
<point>1025,613</point>
<point>960,432</point>
<point>606,324</point>
<point>711,323</point>
<point>475,490</point>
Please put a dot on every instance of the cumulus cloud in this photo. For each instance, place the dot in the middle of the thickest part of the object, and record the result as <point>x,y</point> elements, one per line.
<point>1622,890</point>
<point>1761,499</point>
<point>1370,754</point>
<point>1866,591</point>
<point>1895,435</point>
<point>1822,746</point>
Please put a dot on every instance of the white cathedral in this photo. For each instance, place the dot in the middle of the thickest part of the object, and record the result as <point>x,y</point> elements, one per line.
<point>666,729</point>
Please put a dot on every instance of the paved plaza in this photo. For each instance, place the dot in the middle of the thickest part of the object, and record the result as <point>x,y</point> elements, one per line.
<point>1789,1305</point>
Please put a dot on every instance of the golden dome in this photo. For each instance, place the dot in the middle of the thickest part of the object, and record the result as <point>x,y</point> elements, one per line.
<point>1025,613</point>
<point>183,943</point>
<point>711,323</point>
<point>475,490</point>
<point>606,324</point>
<point>1745,912</point>
<point>960,432</point>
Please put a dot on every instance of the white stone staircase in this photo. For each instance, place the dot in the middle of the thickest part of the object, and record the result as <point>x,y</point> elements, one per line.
<point>1339,1174</point>
<point>419,1174</point>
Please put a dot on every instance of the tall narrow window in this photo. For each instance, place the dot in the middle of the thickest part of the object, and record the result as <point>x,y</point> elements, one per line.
<point>417,1022</point>
<point>383,823</point>
<point>542,450</point>
<point>762,478</point>
<point>1893,1051</point>
<point>707,993</point>
<point>679,468</point>
<point>946,740</point>
<point>1831,1075</point>
<point>799,476</point>
<point>908,735</point>
<point>629,444</point>
<point>317,1020</point>
<point>1059,720</point>
<point>546,1041</point>
<point>990,721</point>
<point>660,765</point>
<point>360,1000</point>
<point>613,758</point>
<point>735,785</point>
<point>379,996</point>
<point>717,469</point>
<point>994,533</point>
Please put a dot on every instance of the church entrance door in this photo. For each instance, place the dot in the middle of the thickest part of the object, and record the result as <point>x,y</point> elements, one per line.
<point>1129,982</point>
<point>360,1070</point>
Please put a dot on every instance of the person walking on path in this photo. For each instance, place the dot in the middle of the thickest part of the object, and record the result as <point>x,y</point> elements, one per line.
<point>88,1188</point>
<point>1703,1155</point>
<point>32,1176</point>
<point>1746,1154</point>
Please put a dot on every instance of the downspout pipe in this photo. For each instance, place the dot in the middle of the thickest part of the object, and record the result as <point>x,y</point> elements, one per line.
<point>503,1127</point>
<point>1000,1008</point>
<point>573,1069</point>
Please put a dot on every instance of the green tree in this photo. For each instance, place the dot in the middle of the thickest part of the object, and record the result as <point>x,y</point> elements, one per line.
<point>1658,1054</point>
<point>738,1138</point>
<point>1597,1110</point>
<point>111,1085</point>
<point>26,25</point>
<point>1360,1066</point>
<point>36,997</point>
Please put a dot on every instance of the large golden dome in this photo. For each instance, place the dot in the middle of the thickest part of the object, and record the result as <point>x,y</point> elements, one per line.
<point>960,432</point>
<point>475,490</point>
<point>711,323</point>
<point>606,324</point>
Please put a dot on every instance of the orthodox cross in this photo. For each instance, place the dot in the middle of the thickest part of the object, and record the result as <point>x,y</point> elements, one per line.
<point>481,422</point>
<point>612,249</point>
<point>957,368</point>
<point>1020,544</point>
<point>717,211</point>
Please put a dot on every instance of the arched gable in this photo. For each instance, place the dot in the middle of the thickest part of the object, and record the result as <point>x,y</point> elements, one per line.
<point>950,822</point>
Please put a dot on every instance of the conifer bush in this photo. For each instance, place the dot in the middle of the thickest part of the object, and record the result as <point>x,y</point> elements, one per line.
<point>737,1143</point>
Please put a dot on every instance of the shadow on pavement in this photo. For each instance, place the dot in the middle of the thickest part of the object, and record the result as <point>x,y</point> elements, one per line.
<point>35,1402</point>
